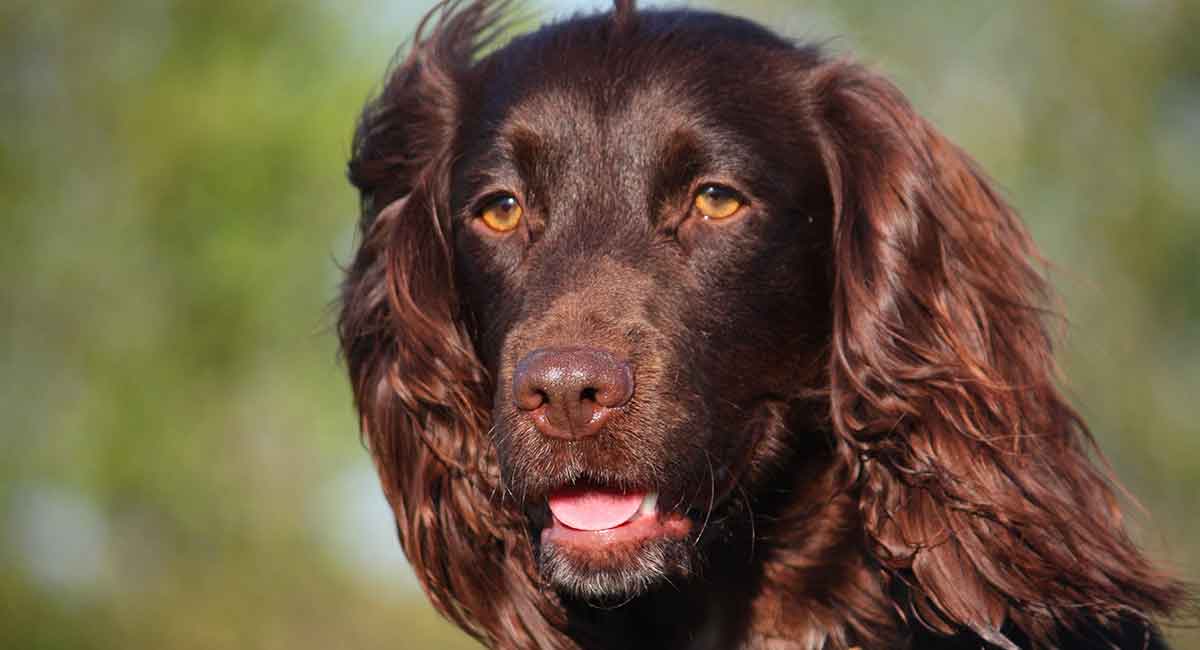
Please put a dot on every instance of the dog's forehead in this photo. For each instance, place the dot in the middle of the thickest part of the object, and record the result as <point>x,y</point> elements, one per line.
<point>588,121</point>
<point>627,128</point>
<point>580,86</point>
<point>630,119</point>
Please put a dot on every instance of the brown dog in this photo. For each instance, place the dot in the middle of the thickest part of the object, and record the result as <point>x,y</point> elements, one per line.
<point>667,332</point>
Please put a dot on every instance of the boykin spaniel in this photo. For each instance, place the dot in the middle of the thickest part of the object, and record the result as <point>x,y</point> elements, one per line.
<point>668,332</point>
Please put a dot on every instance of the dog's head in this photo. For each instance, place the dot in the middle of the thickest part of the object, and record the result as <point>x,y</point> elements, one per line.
<point>639,222</point>
<point>624,278</point>
<point>640,231</point>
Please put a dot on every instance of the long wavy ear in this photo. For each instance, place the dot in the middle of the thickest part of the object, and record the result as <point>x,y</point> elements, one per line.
<point>422,394</point>
<point>979,498</point>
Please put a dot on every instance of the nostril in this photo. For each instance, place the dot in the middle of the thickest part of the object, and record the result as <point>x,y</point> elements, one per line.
<point>528,397</point>
<point>616,387</point>
<point>588,395</point>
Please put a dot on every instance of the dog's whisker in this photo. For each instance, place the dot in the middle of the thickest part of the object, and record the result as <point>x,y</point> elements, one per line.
<point>737,485</point>
<point>712,492</point>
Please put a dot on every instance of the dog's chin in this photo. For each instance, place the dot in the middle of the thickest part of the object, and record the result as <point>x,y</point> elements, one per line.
<point>611,566</point>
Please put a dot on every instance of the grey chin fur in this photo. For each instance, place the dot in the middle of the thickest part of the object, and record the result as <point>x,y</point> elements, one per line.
<point>653,563</point>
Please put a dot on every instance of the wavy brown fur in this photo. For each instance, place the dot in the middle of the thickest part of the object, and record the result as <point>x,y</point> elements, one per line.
<point>959,494</point>
<point>417,384</point>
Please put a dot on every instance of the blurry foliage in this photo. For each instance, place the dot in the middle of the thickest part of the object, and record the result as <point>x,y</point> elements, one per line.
<point>178,436</point>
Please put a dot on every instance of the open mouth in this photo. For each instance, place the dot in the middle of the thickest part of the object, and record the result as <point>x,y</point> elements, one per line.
<point>605,544</point>
<point>591,517</point>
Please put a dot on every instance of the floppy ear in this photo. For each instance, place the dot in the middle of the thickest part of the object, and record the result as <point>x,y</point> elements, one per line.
<point>422,394</point>
<point>976,488</point>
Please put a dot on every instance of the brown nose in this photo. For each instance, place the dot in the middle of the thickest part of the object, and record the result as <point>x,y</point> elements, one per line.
<point>570,392</point>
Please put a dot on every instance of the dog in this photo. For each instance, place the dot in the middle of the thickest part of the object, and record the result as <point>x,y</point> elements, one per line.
<point>668,332</point>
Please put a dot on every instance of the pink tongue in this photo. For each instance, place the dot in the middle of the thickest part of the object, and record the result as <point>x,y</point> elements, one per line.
<point>593,509</point>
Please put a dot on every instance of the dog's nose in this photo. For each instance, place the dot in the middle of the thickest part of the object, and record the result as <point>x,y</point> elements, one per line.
<point>570,392</point>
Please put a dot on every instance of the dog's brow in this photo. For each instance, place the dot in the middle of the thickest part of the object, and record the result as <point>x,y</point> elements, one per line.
<point>526,149</point>
<point>679,159</point>
<point>511,161</point>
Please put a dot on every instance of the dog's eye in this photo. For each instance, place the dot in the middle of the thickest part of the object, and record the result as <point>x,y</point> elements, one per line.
<point>502,213</point>
<point>716,202</point>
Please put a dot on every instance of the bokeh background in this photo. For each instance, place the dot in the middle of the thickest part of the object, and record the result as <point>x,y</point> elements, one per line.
<point>179,462</point>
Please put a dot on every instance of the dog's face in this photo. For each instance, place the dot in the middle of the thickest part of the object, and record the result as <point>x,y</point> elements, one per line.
<point>633,276</point>
<point>641,240</point>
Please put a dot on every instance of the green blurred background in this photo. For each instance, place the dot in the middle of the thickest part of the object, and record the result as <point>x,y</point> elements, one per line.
<point>179,462</point>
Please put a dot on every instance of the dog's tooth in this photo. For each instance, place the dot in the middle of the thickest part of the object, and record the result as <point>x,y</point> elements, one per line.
<point>650,503</point>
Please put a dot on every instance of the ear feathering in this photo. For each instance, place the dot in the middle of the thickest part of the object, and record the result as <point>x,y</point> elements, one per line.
<point>421,392</point>
<point>977,490</point>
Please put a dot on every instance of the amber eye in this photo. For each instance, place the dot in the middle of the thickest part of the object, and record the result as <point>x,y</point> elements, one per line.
<point>716,202</point>
<point>502,213</point>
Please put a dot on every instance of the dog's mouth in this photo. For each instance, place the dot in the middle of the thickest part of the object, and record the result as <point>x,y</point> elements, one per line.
<point>586,517</point>
<point>602,543</point>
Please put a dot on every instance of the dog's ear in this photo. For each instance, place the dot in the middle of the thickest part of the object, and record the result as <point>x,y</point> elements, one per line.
<point>978,495</point>
<point>422,395</point>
